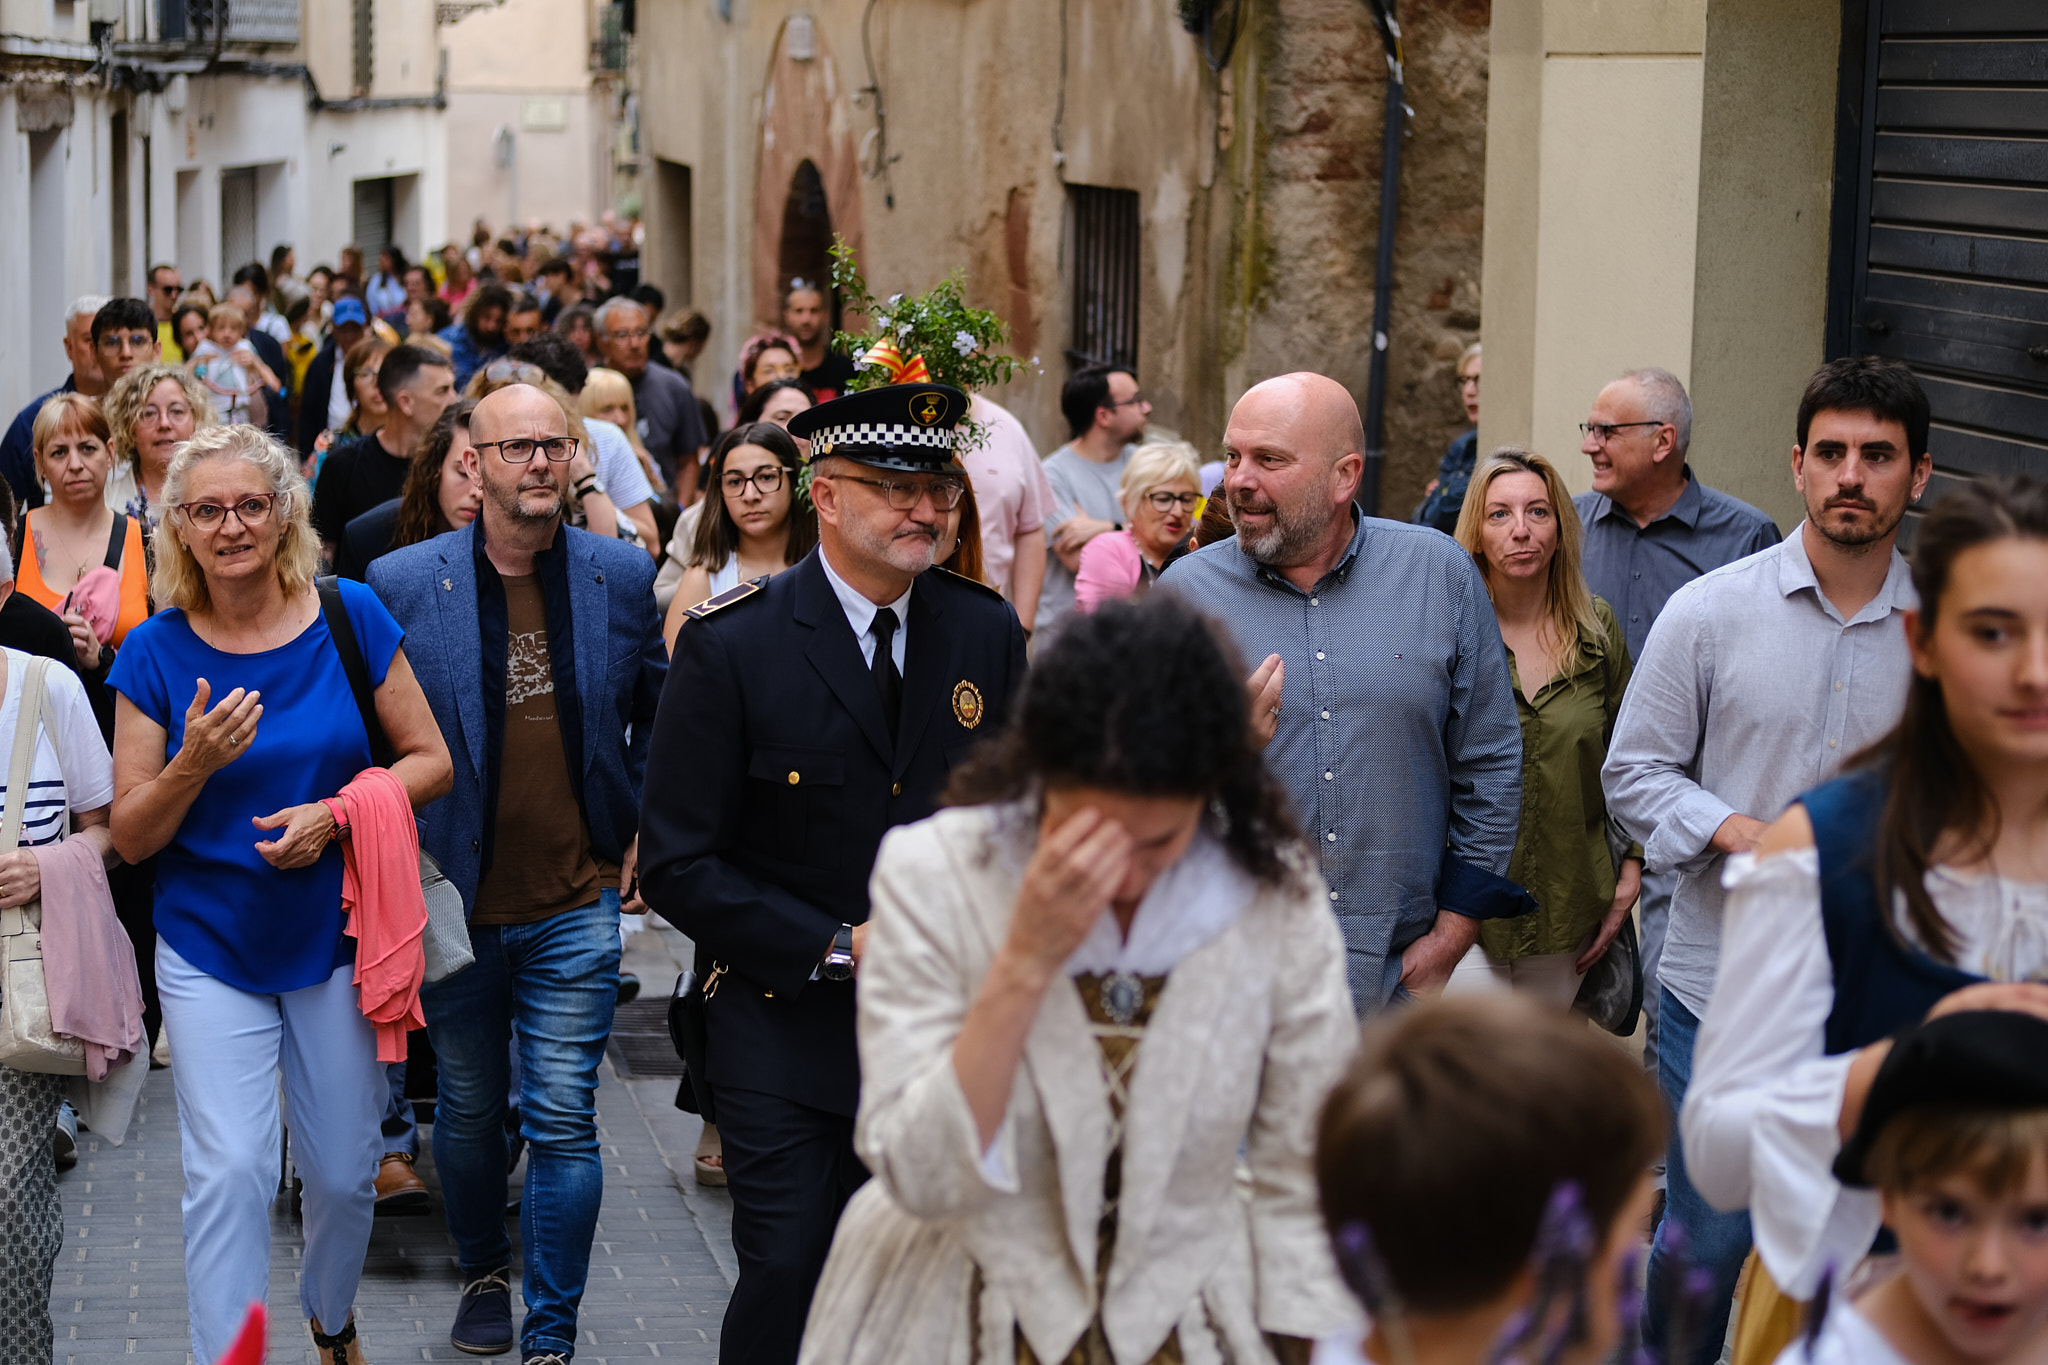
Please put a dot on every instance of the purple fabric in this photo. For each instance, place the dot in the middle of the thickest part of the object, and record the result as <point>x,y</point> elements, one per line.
<point>88,962</point>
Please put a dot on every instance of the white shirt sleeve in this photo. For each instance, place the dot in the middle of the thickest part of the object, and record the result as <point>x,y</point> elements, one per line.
<point>74,733</point>
<point>1760,1115</point>
<point>625,482</point>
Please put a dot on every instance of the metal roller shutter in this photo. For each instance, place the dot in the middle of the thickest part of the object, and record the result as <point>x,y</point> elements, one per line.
<point>1941,255</point>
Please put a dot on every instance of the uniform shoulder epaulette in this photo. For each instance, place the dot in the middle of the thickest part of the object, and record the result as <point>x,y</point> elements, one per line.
<point>974,583</point>
<point>730,597</point>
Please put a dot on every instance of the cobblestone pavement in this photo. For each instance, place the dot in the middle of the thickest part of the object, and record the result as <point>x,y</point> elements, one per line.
<point>660,1271</point>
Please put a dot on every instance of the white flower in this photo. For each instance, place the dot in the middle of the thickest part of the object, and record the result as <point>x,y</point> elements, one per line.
<point>903,329</point>
<point>860,356</point>
<point>963,342</point>
<point>895,299</point>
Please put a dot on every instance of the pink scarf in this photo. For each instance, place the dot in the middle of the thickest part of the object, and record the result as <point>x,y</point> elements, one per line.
<point>380,893</point>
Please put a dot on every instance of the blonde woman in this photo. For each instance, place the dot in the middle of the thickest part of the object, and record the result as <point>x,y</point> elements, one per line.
<point>234,721</point>
<point>150,411</point>
<point>1161,493</point>
<point>1569,664</point>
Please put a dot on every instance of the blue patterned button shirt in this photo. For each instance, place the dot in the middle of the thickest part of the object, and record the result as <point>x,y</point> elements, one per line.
<point>1398,741</point>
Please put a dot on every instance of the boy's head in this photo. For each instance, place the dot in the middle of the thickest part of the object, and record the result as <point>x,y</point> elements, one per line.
<point>1456,1126</point>
<point>225,325</point>
<point>1954,1136</point>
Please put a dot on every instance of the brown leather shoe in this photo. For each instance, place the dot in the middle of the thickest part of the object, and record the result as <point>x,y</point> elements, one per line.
<point>340,1349</point>
<point>399,1190</point>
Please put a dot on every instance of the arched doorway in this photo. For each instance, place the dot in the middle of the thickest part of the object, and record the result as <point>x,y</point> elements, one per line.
<point>805,250</point>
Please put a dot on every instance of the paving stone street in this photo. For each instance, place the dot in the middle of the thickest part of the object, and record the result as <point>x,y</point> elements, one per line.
<point>660,1270</point>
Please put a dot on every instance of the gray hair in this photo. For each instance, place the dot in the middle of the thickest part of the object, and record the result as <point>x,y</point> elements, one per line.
<point>601,319</point>
<point>1155,465</point>
<point>84,306</point>
<point>1665,400</point>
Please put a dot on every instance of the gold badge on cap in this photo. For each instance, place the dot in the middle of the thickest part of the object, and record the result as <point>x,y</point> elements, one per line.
<point>967,704</point>
<point>928,408</point>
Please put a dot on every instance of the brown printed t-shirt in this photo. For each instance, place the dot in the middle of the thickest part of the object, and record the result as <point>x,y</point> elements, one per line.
<point>541,861</point>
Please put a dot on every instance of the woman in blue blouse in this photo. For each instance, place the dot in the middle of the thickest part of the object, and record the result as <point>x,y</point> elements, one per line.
<point>234,720</point>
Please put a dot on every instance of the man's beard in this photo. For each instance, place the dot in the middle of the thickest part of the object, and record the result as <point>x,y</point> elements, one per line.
<point>1856,536</point>
<point>1288,539</point>
<point>905,554</point>
<point>507,501</point>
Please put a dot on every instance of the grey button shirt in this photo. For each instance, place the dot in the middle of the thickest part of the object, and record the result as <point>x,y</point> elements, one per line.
<point>1637,568</point>
<point>1751,690</point>
<point>1397,738</point>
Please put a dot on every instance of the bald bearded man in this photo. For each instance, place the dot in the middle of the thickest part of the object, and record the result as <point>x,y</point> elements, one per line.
<point>1383,695</point>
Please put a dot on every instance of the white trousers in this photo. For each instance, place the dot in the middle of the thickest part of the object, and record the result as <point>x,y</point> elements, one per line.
<point>1552,978</point>
<point>227,1046</point>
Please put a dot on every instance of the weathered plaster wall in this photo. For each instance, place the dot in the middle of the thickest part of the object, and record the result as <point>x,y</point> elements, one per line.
<point>1258,189</point>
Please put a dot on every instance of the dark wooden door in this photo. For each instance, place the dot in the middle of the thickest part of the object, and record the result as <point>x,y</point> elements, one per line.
<point>1941,218</point>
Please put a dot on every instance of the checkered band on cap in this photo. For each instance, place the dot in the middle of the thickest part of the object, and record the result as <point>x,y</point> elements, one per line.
<point>881,434</point>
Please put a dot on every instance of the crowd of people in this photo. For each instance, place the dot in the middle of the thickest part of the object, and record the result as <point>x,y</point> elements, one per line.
<point>380,645</point>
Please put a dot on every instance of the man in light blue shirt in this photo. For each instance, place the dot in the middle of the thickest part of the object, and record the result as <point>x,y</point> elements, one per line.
<point>1385,690</point>
<point>1758,682</point>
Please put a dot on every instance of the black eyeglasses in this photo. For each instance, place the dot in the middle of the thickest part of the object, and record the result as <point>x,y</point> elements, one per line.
<point>521,450</point>
<point>768,479</point>
<point>945,493</point>
<point>1138,397</point>
<point>1166,502</point>
<point>1604,431</point>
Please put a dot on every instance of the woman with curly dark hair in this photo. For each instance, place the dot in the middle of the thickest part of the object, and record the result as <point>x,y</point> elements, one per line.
<point>1085,990</point>
<point>440,496</point>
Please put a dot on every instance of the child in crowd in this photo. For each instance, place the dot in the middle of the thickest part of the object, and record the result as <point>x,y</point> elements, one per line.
<point>1484,1169</point>
<point>1954,1137</point>
<point>228,365</point>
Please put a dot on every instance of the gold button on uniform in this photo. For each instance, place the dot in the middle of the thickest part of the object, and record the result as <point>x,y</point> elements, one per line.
<point>792,779</point>
<point>895,789</point>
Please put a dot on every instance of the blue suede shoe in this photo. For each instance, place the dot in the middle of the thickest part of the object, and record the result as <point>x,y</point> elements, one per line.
<point>483,1320</point>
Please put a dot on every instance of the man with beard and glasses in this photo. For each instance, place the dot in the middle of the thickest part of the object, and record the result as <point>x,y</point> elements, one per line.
<point>1758,681</point>
<point>1384,697</point>
<point>540,652</point>
<point>809,713</point>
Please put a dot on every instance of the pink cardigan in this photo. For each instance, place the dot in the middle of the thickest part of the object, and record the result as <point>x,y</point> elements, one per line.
<point>380,893</point>
<point>1111,568</point>
<point>88,961</point>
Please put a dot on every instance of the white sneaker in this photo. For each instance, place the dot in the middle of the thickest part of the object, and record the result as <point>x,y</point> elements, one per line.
<point>160,1055</point>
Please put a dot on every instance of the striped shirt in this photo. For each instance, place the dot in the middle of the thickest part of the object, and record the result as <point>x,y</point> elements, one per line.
<point>71,769</point>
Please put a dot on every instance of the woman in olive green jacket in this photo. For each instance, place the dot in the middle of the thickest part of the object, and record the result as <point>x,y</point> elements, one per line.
<point>1570,666</point>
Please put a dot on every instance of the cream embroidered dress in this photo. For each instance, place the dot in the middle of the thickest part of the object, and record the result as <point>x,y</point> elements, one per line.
<point>1112,1220</point>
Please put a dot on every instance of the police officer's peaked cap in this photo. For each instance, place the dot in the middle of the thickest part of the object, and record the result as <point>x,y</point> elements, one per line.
<point>899,426</point>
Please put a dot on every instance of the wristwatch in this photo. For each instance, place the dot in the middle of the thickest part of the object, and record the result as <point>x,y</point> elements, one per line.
<point>838,965</point>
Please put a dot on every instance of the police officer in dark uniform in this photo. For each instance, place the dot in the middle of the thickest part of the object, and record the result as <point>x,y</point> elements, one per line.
<point>806,714</point>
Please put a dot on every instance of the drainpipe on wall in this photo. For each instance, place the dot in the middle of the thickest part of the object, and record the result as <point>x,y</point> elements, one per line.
<point>1383,267</point>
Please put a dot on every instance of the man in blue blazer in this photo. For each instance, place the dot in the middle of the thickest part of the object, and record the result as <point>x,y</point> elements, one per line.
<point>540,650</point>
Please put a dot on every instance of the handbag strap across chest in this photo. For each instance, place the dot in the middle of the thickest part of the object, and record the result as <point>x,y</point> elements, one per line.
<point>28,721</point>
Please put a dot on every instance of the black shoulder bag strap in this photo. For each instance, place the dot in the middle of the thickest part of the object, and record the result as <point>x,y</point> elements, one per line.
<point>344,632</point>
<point>117,540</point>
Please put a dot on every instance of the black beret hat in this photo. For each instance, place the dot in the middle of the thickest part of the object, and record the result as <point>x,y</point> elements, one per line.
<point>898,426</point>
<point>1978,1059</point>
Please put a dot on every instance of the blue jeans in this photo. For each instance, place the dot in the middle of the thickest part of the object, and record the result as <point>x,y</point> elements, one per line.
<point>552,987</point>
<point>1714,1243</point>
<point>401,1133</point>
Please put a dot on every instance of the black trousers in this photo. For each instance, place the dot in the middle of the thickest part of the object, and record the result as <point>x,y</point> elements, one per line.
<point>134,892</point>
<point>790,1170</point>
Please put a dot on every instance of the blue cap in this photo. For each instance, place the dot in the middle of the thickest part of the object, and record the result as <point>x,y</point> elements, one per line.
<point>349,308</point>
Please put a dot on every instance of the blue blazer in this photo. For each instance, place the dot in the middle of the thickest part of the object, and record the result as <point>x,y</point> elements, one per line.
<point>620,666</point>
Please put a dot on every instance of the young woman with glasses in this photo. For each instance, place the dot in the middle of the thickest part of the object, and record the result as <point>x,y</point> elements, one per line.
<point>753,525</point>
<point>1161,493</point>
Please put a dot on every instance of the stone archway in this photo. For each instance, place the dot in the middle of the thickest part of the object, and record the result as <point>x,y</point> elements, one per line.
<point>806,148</point>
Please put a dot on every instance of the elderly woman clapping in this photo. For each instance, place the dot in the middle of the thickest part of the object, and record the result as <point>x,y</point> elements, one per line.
<point>235,719</point>
<point>150,411</point>
<point>1161,491</point>
<point>1090,995</point>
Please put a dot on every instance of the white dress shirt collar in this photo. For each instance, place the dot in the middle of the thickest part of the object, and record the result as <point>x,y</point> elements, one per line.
<point>860,614</point>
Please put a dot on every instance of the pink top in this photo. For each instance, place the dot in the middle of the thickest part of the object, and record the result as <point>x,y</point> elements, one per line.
<point>1011,494</point>
<point>380,895</point>
<point>1111,568</point>
<point>88,960</point>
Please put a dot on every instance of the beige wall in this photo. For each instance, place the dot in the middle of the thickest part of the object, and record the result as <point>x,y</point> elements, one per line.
<point>1658,181</point>
<point>500,61</point>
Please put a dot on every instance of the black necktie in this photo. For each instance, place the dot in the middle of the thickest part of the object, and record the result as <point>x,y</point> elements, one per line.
<point>888,681</point>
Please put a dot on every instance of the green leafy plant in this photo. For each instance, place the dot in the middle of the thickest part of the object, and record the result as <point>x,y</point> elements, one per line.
<point>958,344</point>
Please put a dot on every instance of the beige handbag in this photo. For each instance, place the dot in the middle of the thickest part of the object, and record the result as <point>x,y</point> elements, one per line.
<point>27,1043</point>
